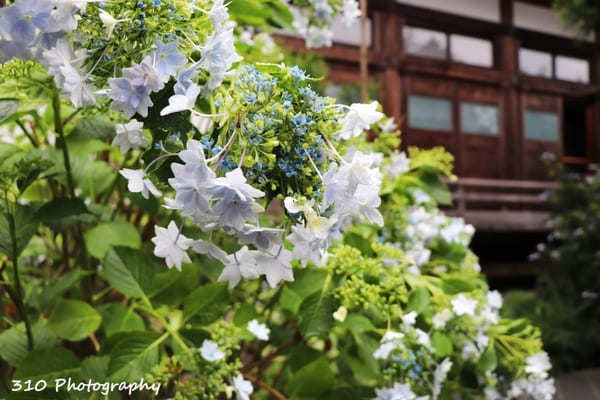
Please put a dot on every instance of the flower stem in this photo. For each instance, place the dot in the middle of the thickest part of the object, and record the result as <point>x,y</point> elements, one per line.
<point>18,290</point>
<point>58,127</point>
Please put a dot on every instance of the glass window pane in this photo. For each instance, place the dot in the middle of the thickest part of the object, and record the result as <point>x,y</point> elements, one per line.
<point>541,125</point>
<point>572,69</point>
<point>426,43</point>
<point>479,118</point>
<point>429,113</point>
<point>533,62</point>
<point>470,50</point>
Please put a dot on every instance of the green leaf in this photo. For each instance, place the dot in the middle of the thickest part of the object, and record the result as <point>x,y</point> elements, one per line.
<point>92,177</point>
<point>13,341</point>
<point>99,239</point>
<point>171,287</point>
<point>316,314</point>
<point>60,286</point>
<point>359,242</point>
<point>95,127</point>
<point>307,281</point>
<point>418,299</point>
<point>74,320</point>
<point>207,303</point>
<point>312,379</point>
<point>435,187</point>
<point>357,323</point>
<point>130,271</point>
<point>95,367</point>
<point>457,285</point>
<point>25,227</point>
<point>48,364</point>
<point>289,300</point>
<point>82,144</point>
<point>118,318</point>
<point>244,314</point>
<point>132,355</point>
<point>441,344</point>
<point>8,107</point>
<point>488,360</point>
<point>280,15</point>
<point>61,214</point>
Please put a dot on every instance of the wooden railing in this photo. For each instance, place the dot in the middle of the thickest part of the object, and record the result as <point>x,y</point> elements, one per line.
<point>499,204</point>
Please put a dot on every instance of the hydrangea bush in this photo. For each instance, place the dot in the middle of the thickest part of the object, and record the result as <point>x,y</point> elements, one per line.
<point>181,207</point>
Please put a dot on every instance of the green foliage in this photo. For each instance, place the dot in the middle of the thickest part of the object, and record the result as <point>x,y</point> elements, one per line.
<point>565,302</point>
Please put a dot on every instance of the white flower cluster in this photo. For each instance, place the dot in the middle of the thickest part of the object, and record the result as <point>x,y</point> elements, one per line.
<point>314,23</point>
<point>392,341</point>
<point>351,194</point>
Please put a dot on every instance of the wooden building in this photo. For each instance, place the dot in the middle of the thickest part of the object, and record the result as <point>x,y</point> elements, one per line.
<point>498,83</point>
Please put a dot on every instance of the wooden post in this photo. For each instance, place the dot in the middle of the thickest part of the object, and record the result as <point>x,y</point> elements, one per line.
<point>364,52</point>
<point>509,64</point>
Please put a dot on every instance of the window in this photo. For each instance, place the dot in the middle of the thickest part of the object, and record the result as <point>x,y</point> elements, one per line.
<point>572,69</point>
<point>533,62</point>
<point>430,113</point>
<point>470,50</point>
<point>539,63</point>
<point>478,118</point>
<point>435,44</point>
<point>425,43</point>
<point>541,125</point>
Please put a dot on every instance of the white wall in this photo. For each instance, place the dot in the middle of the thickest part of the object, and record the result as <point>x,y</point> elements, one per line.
<point>488,10</point>
<point>542,19</point>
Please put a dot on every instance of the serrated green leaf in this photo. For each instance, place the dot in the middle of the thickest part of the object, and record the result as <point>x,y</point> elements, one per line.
<point>74,320</point>
<point>454,286</point>
<point>244,314</point>
<point>13,341</point>
<point>48,364</point>
<point>99,239</point>
<point>61,214</point>
<point>95,127</point>
<point>289,300</point>
<point>312,379</point>
<point>60,286</point>
<point>316,314</point>
<point>207,303</point>
<point>118,318</point>
<point>25,227</point>
<point>95,367</point>
<point>132,354</point>
<point>130,271</point>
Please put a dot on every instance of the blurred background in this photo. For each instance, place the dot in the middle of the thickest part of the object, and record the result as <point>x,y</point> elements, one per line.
<point>511,89</point>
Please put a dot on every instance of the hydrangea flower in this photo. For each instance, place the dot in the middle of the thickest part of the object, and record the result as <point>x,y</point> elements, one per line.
<point>440,319</point>
<point>236,202</point>
<point>538,365</point>
<point>25,16</point>
<point>259,330</point>
<point>262,238</point>
<point>462,305</point>
<point>243,388</point>
<point>241,264</point>
<point>130,136</point>
<point>359,118</point>
<point>138,183</point>
<point>182,102</point>
<point>439,376</point>
<point>409,319</point>
<point>219,54</point>
<point>350,12</point>
<point>307,246</point>
<point>400,164</point>
<point>389,342</point>
<point>79,91</point>
<point>397,392</point>
<point>167,59</point>
<point>276,268</point>
<point>171,245</point>
<point>494,299</point>
<point>210,351</point>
